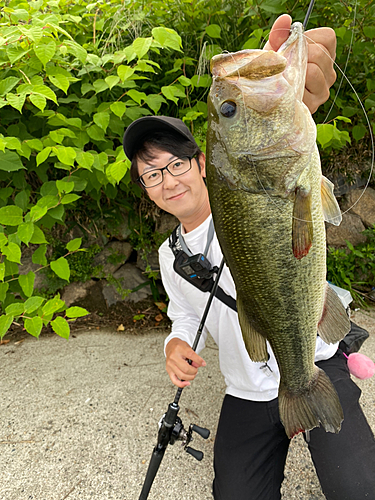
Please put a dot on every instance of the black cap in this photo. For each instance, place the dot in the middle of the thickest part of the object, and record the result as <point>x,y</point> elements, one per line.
<point>140,129</point>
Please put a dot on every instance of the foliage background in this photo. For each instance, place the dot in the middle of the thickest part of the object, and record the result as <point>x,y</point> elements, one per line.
<point>74,74</point>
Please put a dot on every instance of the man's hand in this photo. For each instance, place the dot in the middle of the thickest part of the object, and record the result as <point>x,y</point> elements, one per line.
<point>320,74</point>
<point>179,370</point>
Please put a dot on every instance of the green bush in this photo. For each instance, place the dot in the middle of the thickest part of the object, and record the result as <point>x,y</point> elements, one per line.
<point>353,268</point>
<point>74,75</point>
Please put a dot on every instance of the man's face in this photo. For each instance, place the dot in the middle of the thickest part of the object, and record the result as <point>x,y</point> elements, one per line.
<point>181,196</point>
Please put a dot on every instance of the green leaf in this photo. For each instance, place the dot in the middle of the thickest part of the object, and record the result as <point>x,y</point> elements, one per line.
<point>22,199</point>
<point>3,291</point>
<point>15,309</point>
<point>172,93</point>
<point>76,49</point>
<point>66,155</point>
<point>10,161</point>
<point>141,46</point>
<point>213,30</point>
<point>125,72</point>
<point>76,312</point>
<point>37,212</point>
<point>184,81</point>
<point>61,267</point>
<point>102,120</point>
<point>26,282</point>
<point>12,252</point>
<point>61,327</point>
<point>69,198</point>
<point>73,245</point>
<point>167,38</point>
<point>38,100</point>
<point>111,81</point>
<point>100,86</point>
<point>39,255</point>
<point>201,80</point>
<point>25,232</point>
<point>38,237</point>
<point>8,84</point>
<point>33,326</point>
<point>45,91</point>
<point>11,215</point>
<point>96,133</point>
<point>2,271</point>
<point>5,322</point>
<point>369,31</point>
<point>16,101</point>
<point>137,96</point>
<point>324,134</point>
<point>43,155</point>
<point>33,303</point>
<point>64,187</point>
<point>57,212</point>
<point>358,132</point>
<point>118,108</point>
<point>52,306</point>
<point>154,102</point>
<point>44,50</point>
<point>60,81</point>
<point>117,170</point>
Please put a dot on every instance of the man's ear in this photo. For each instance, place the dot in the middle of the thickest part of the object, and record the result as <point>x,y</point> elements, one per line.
<point>202,163</point>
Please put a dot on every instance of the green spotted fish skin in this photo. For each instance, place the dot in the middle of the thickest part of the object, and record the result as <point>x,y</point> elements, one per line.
<point>269,202</point>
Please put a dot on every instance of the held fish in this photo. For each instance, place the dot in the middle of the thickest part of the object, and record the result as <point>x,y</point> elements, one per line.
<point>269,202</point>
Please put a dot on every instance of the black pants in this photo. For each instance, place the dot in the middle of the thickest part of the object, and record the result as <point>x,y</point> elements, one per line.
<point>251,447</point>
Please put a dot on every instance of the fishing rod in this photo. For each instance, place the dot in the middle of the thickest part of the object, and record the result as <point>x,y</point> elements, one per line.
<point>171,428</point>
<point>308,13</point>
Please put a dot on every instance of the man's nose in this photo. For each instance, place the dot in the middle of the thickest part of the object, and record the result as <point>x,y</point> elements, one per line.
<point>169,181</point>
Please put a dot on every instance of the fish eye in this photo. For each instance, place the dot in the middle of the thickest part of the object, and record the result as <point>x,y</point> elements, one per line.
<point>228,109</point>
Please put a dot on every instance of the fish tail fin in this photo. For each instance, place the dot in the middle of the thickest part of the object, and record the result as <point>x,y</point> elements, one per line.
<point>304,410</point>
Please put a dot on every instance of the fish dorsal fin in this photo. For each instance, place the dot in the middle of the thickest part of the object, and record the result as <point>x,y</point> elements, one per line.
<point>334,323</point>
<point>255,343</point>
<point>268,63</point>
<point>302,226</point>
<point>331,209</point>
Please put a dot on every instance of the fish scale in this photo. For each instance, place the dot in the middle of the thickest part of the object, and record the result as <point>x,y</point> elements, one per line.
<point>264,181</point>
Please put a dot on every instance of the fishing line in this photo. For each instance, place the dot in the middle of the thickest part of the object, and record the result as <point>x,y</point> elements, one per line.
<point>346,62</point>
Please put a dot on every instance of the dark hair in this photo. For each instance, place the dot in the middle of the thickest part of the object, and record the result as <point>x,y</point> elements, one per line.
<point>171,142</point>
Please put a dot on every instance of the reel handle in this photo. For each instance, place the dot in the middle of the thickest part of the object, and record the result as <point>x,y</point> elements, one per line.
<point>198,455</point>
<point>204,433</point>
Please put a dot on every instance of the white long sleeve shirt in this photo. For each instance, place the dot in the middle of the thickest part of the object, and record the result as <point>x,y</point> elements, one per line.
<point>244,378</point>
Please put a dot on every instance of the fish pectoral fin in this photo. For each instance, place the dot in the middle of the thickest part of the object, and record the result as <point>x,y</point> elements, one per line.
<point>302,226</point>
<point>331,209</point>
<point>255,343</point>
<point>334,323</point>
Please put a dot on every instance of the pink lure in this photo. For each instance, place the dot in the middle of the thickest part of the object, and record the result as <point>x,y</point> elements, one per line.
<point>360,365</point>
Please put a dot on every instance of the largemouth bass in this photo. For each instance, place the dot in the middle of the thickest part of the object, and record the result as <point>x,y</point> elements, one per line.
<point>269,202</point>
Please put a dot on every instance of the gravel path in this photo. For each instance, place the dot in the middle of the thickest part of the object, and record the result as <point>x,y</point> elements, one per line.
<point>78,419</point>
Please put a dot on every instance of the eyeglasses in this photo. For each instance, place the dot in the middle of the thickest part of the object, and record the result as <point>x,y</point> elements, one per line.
<point>155,176</point>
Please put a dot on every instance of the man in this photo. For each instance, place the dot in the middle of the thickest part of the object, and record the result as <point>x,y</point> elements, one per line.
<point>251,444</point>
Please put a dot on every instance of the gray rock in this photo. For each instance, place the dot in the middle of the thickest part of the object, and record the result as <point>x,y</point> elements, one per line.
<point>152,261</point>
<point>350,229</point>
<point>113,256</point>
<point>165,223</point>
<point>362,203</point>
<point>75,292</point>
<point>129,277</point>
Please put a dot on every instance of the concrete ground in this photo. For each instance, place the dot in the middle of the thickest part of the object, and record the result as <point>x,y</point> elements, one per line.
<point>78,419</point>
